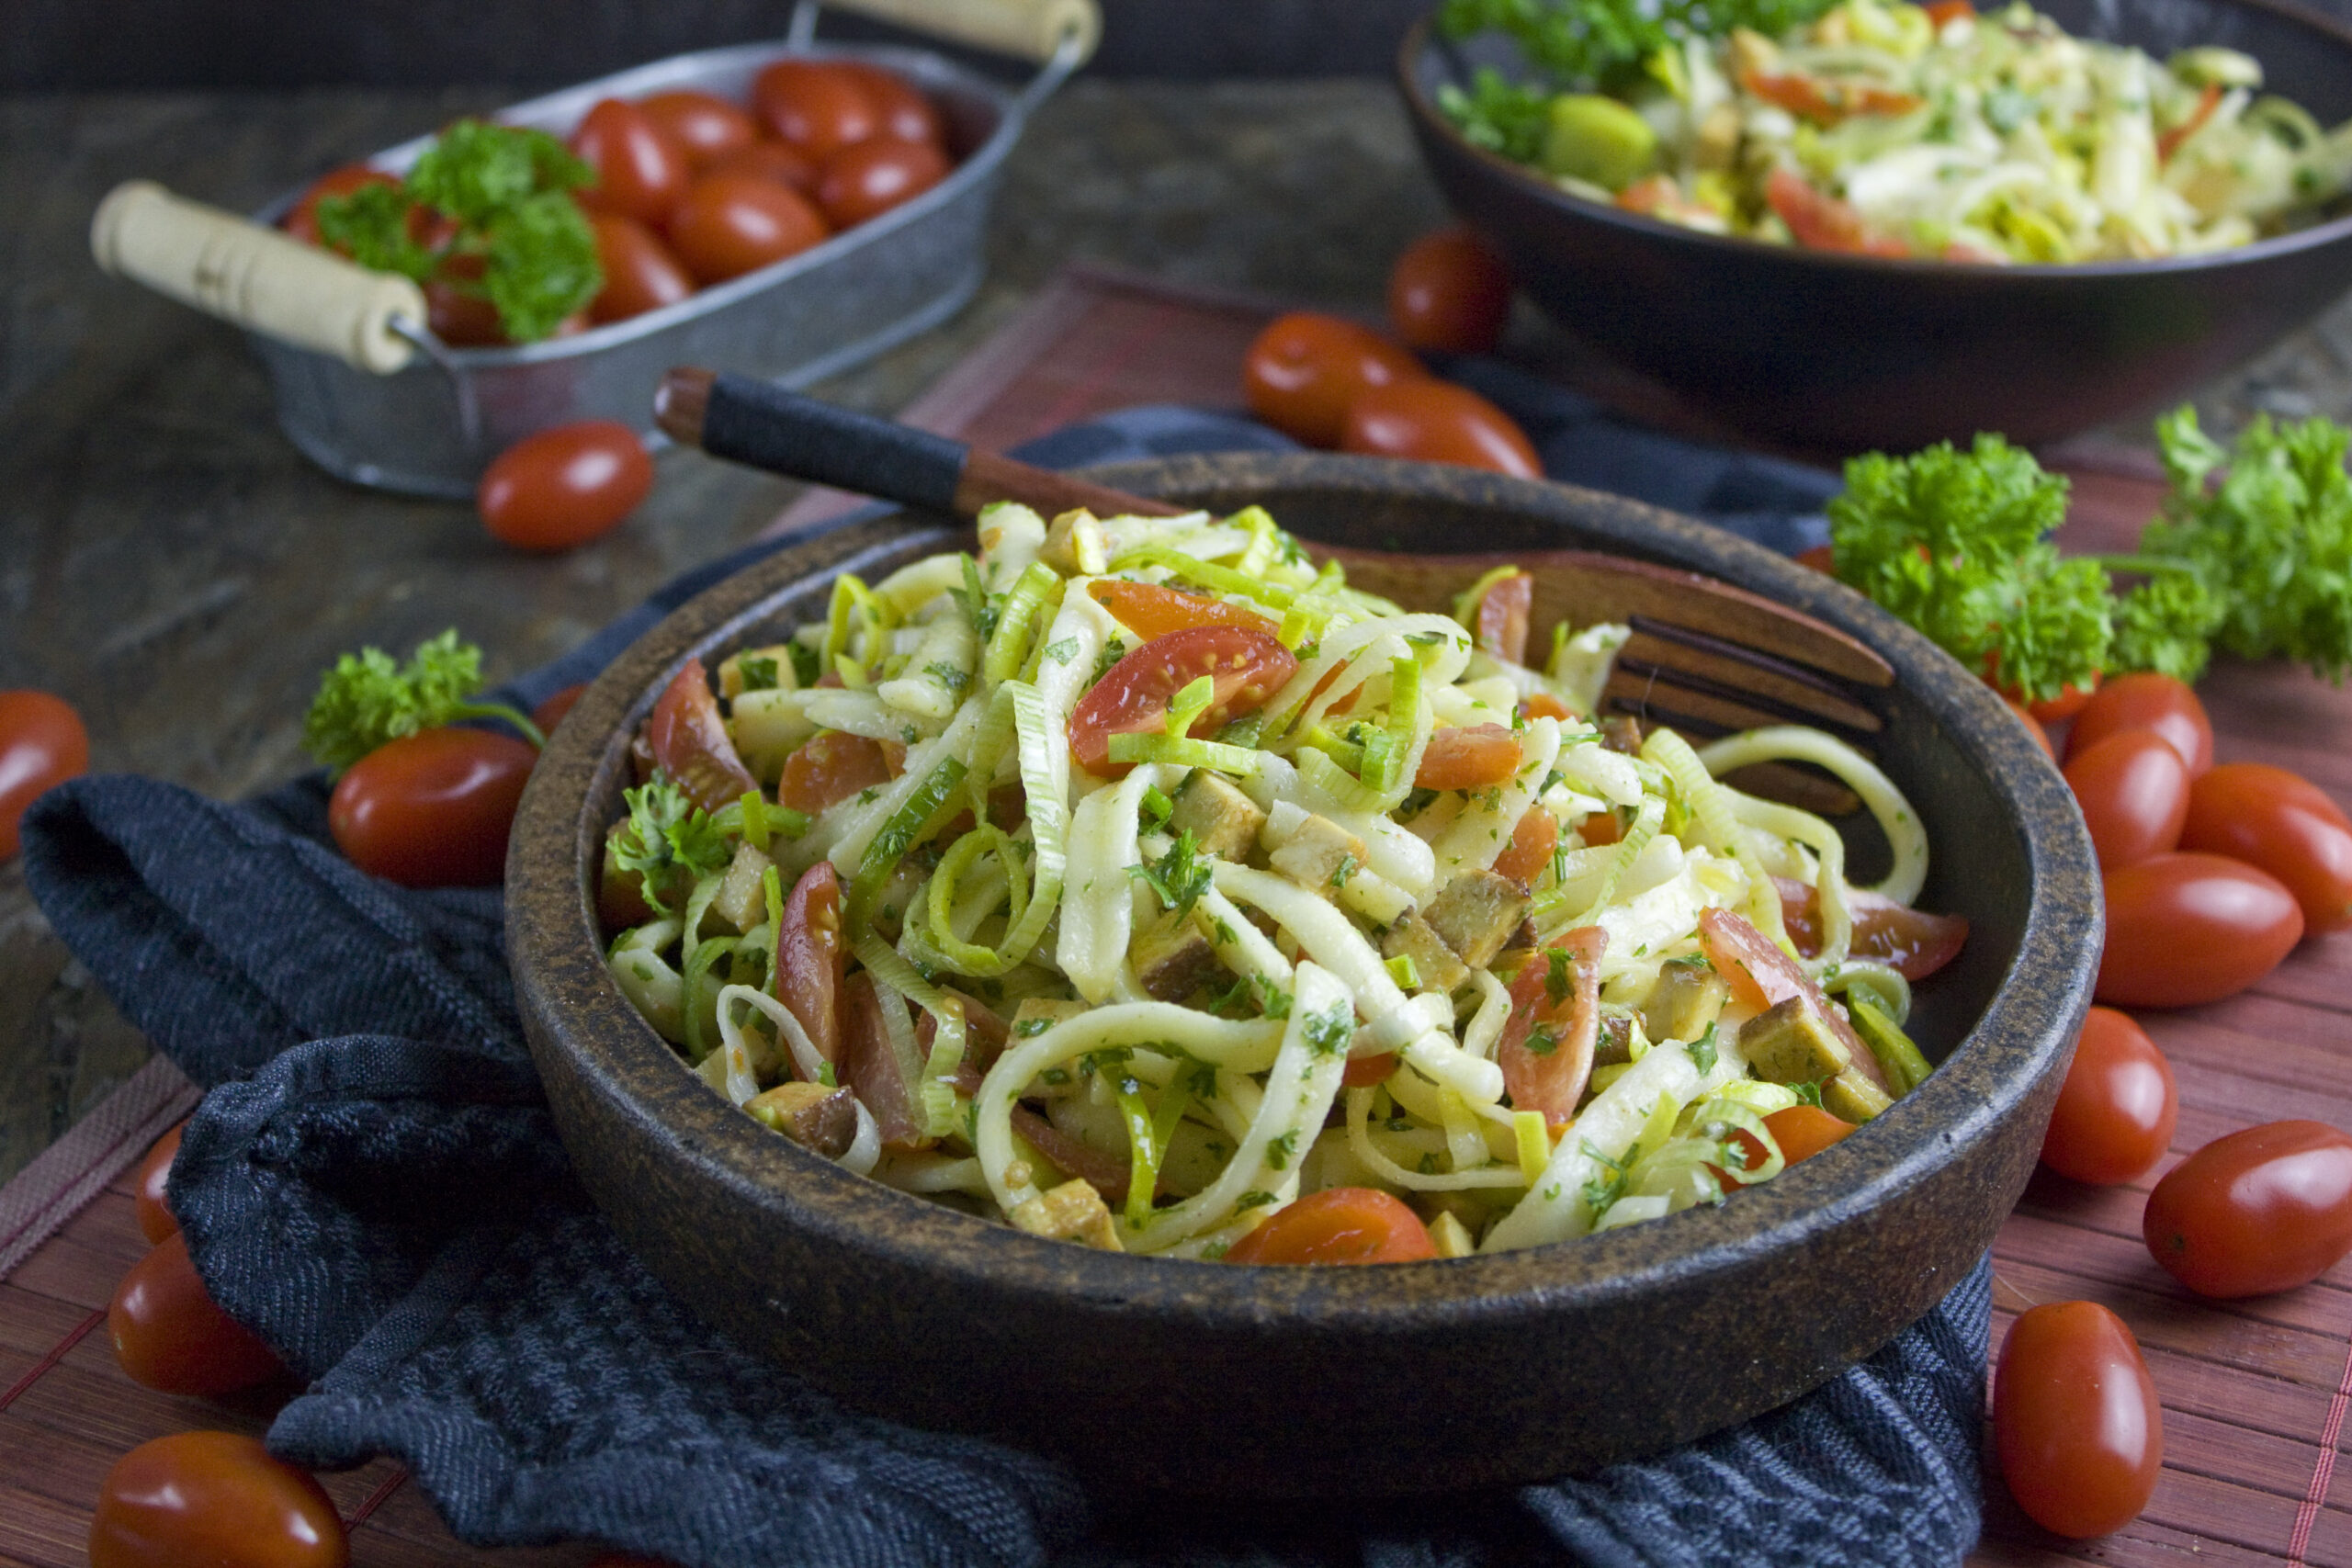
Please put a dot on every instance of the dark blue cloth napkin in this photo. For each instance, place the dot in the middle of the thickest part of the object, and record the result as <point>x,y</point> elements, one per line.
<point>373,1184</point>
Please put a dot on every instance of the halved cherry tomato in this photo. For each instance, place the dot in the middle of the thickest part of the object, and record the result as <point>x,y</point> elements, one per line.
<point>1338,1224</point>
<point>729,224</point>
<point>1804,1130</point>
<point>2146,700</point>
<point>2032,726</point>
<point>2261,1209</point>
<point>1947,11</point>
<point>564,486</point>
<point>1760,974</point>
<point>168,1335</point>
<point>1475,756</point>
<point>640,273</point>
<point>1437,421</point>
<point>213,1500</point>
<point>1151,611</point>
<point>432,810</point>
<point>1543,705</point>
<point>1498,621</point>
<point>2133,789</point>
<point>704,127</point>
<point>772,161</point>
<point>1825,102</point>
<point>2168,141</point>
<point>810,956</point>
<point>1600,827</point>
<point>639,170</point>
<point>2115,1113</point>
<point>906,113</point>
<point>870,1063</point>
<point>2183,930</point>
<point>815,105</point>
<point>1530,849</point>
<point>155,1216</point>
<point>1545,1048</point>
<point>2282,823</point>
<point>869,178</point>
<point>1364,1072</point>
<point>691,743</point>
<point>301,220</point>
<point>831,766</point>
<point>1245,666</point>
<point>1913,941</point>
<point>43,744</point>
<point>1449,292</point>
<point>1820,221</point>
<point>1305,369</point>
<point>2075,1420</point>
<point>549,713</point>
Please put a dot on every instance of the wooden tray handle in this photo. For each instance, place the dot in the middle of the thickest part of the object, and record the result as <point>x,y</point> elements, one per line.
<point>1028,29</point>
<point>255,278</point>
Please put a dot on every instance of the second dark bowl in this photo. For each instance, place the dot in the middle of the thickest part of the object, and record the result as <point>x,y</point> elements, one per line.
<point>1838,353</point>
<point>1205,1377</point>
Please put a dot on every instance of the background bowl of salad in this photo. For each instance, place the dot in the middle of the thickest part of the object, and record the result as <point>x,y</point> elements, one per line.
<point>1213,1379</point>
<point>1870,224</point>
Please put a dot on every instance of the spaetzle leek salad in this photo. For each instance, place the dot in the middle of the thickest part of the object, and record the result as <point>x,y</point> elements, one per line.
<point>1140,883</point>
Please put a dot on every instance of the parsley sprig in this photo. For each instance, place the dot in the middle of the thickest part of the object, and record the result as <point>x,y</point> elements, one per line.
<point>368,699</point>
<point>1179,876</point>
<point>666,831</point>
<point>1601,43</point>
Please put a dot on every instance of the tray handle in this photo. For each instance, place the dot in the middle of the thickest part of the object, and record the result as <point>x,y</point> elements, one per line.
<point>272,282</point>
<point>1027,29</point>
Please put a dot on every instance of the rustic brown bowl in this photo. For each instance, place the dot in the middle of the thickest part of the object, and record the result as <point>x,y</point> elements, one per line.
<point>1206,1378</point>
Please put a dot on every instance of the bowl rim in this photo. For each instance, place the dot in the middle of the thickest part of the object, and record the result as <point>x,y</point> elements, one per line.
<point>2029,1024</point>
<point>1418,40</point>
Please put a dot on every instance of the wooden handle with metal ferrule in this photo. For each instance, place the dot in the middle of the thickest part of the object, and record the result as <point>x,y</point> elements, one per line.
<point>762,425</point>
<point>1027,29</point>
<point>255,278</point>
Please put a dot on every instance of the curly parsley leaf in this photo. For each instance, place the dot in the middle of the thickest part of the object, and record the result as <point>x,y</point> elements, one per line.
<point>665,831</point>
<point>368,699</point>
<point>1179,876</point>
<point>1586,43</point>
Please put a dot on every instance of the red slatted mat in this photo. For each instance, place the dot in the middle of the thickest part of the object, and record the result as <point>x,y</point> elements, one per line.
<point>2256,1393</point>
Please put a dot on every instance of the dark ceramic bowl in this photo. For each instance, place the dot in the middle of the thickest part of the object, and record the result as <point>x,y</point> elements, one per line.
<point>1840,353</point>
<point>1204,1377</point>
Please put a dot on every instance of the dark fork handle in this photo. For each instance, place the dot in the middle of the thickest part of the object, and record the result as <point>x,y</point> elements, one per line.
<point>759,423</point>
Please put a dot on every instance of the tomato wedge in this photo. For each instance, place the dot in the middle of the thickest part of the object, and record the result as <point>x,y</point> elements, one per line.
<point>1338,1224</point>
<point>1761,975</point>
<point>831,766</point>
<point>1801,1130</point>
<point>1151,611</point>
<point>1820,221</point>
<point>691,743</point>
<point>1825,102</point>
<point>870,1065</point>
<point>1247,666</point>
<point>1546,1051</point>
<point>810,956</point>
<point>1498,621</point>
<point>1912,942</point>
<point>1477,756</point>
<point>1530,848</point>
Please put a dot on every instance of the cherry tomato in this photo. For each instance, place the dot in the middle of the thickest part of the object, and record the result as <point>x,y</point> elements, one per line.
<point>904,111</point>
<point>1545,1048</point>
<point>815,107</point>
<point>640,273</point>
<point>1437,421</point>
<point>169,1335</point>
<point>770,161</point>
<point>1305,369</point>
<point>2071,699</point>
<point>432,809</point>
<point>1498,621</point>
<point>2261,1209</point>
<point>1338,1224</point>
<point>1246,667</point>
<point>43,744</point>
<point>1364,1072</point>
<point>1543,705</point>
<point>457,315</point>
<point>1804,1130</point>
<point>1530,849</point>
<point>2283,823</point>
<point>1449,292</point>
<point>2075,1420</point>
<point>1475,756</point>
<point>831,767</point>
<point>731,224</point>
<point>868,179</point>
<point>1944,11</point>
<point>704,127</point>
<point>1150,609</point>
<point>155,1216</point>
<point>2188,928</point>
<point>690,742</point>
<point>2133,789</point>
<point>2032,727</point>
<point>1914,941</point>
<point>565,486</point>
<point>2115,1113</point>
<point>810,956</point>
<point>213,1500</point>
<point>549,713</point>
<point>1760,974</point>
<point>2146,701</point>
<point>640,173</point>
<point>301,220</point>
<point>1819,222</point>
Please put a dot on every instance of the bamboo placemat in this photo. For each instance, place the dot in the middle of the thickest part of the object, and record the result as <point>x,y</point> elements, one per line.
<point>2256,1393</point>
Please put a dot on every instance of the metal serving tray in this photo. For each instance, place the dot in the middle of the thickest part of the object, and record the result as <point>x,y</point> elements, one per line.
<point>431,429</point>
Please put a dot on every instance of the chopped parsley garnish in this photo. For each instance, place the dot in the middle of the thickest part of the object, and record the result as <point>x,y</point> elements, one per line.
<point>759,673</point>
<point>1179,876</point>
<point>1062,652</point>
<point>948,676</point>
<point>1703,1050</point>
<point>1281,1151</point>
<point>1559,975</point>
<point>665,831</point>
<point>1608,1187</point>
<point>1331,1032</point>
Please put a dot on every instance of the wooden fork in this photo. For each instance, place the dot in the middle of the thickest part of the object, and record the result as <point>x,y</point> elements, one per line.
<point>1704,656</point>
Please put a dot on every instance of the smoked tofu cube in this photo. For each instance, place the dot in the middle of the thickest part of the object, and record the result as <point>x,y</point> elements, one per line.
<point>1413,937</point>
<point>816,1118</point>
<point>1174,958</point>
<point>1037,1014</point>
<point>1850,1096</point>
<point>1222,821</point>
<point>743,900</point>
<point>1789,1043</point>
<point>1688,996</point>
<point>1072,1212</point>
<point>1478,914</point>
<point>1320,855</point>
